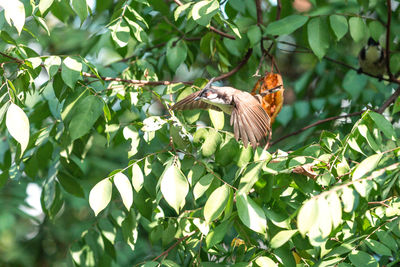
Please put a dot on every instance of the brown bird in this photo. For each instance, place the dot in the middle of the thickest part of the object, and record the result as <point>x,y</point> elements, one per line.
<point>250,122</point>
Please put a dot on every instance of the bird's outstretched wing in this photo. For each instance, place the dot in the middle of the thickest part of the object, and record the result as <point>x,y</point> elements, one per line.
<point>189,103</point>
<point>250,121</point>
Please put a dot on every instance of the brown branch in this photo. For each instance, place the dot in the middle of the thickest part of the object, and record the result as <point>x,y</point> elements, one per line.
<point>259,13</point>
<point>389,101</point>
<point>389,19</point>
<point>238,67</point>
<point>315,124</point>
<point>180,240</point>
<point>278,10</point>
<point>19,61</point>
<point>179,3</point>
<point>393,79</point>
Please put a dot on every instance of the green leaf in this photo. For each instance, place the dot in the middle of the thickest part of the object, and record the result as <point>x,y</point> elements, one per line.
<point>384,125</point>
<point>354,83</point>
<point>335,209</point>
<point>378,247</point>
<point>174,187</point>
<point>120,33</point>
<point>349,199</point>
<point>251,214</point>
<point>217,235</point>
<point>180,9</point>
<point>52,65</point>
<point>100,196</point>
<point>281,238</point>
<point>250,177</point>
<point>44,5</point>
<point>211,143</point>
<point>71,71</point>
<point>202,185</point>
<point>286,25</point>
<point>358,29</point>
<point>132,133</point>
<point>125,189</point>
<point>137,177</point>
<point>217,118</point>
<point>395,67</point>
<point>318,36</point>
<point>18,125</point>
<point>362,259</point>
<point>176,54</point>
<point>366,166</point>
<point>339,25</point>
<point>203,11</point>
<point>81,9</point>
<point>216,203</point>
<point>308,216</point>
<point>265,262</point>
<point>86,114</point>
<point>254,34</point>
<point>376,29</point>
<point>14,11</point>
<point>70,184</point>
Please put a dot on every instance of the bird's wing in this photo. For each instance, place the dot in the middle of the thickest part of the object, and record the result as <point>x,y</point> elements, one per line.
<point>189,103</point>
<point>250,122</point>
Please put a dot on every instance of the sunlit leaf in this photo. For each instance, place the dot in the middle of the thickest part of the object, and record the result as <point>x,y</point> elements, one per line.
<point>71,71</point>
<point>174,187</point>
<point>308,216</point>
<point>18,125</point>
<point>14,11</point>
<point>100,196</point>
<point>251,214</point>
<point>217,118</point>
<point>137,177</point>
<point>366,166</point>
<point>216,203</point>
<point>281,238</point>
<point>125,189</point>
<point>44,5</point>
<point>265,262</point>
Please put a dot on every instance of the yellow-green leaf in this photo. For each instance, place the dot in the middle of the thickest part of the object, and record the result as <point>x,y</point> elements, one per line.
<point>174,187</point>
<point>125,189</point>
<point>18,125</point>
<point>216,203</point>
<point>100,196</point>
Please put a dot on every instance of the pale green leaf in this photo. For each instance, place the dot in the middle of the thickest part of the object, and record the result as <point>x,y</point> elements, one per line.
<point>44,5</point>
<point>217,118</point>
<point>324,217</point>
<point>308,216</point>
<point>366,166</point>
<point>251,214</point>
<point>203,11</point>
<point>358,29</point>
<point>120,33</point>
<point>71,70</point>
<point>176,54</point>
<point>216,203</point>
<point>86,114</point>
<point>132,133</point>
<point>281,238</point>
<point>339,25</point>
<point>178,11</point>
<point>265,262</point>
<point>349,199</point>
<point>137,177</point>
<point>100,196</point>
<point>124,188</point>
<point>384,125</point>
<point>318,36</point>
<point>335,209</point>
<point>286,25</point>
<point>174,187</point>
<point>18,125</point>
<point>81,9</point>
<point>14,11</point>
<point>202,185</point>
<point>250,177</point>
<point>211,143</point>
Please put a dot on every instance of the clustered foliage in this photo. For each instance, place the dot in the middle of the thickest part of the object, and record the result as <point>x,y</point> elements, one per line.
<point>86,89</point>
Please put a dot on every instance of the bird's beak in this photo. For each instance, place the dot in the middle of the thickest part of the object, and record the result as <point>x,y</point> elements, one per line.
<point>197,98</point>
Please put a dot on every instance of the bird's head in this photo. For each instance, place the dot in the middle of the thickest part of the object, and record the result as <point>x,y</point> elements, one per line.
<point>207,94</point>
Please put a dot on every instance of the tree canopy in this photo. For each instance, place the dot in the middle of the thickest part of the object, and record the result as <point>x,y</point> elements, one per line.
<point>97,170</point>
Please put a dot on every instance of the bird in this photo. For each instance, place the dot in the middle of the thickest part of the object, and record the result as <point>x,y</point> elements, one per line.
<point>250,122</point>
<point>372,59</point>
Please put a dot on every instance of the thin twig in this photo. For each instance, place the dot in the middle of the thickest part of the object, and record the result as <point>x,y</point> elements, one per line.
<point>389,19</point>
<point>238,67</point>
<point>389,101</point>
<point>19,61</point>
<point>278,10</point>
<point>315,124</point>
<point>180,240</point>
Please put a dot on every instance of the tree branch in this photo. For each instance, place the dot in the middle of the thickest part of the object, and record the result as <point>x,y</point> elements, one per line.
<point>180,240</point>
<point>389,101</point>
<point>315,124</point>
<point>238,67</point>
